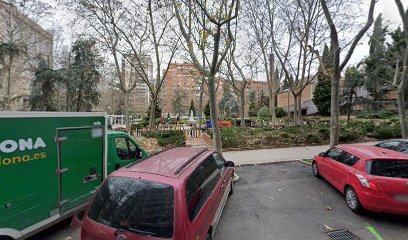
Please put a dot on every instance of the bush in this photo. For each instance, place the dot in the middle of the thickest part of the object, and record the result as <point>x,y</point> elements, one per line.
<point>171,138</point>
<point>375,115</point>
<point>264,113</point>
<point>280,113</point>
<point>386,132</point>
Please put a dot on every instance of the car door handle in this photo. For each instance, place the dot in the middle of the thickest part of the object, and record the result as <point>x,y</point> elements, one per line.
<point>349,171</point>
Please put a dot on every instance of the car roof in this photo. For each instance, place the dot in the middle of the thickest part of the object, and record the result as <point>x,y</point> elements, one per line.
<point>168,163</point>
<point>372,152</point>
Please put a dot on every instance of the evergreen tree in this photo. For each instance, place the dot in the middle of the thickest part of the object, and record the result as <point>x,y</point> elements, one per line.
<point>192,107</point>
<point>378,72</point>
<point>396,50</point>
<point>321,94</point>
<point>352,81</point>
<point>207,109</point>
<point>157,111</point>
<point>44,88</point>
<point>83,77</point>
<point>228,104</point>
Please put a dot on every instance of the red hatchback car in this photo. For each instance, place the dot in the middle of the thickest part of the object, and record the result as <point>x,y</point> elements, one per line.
<point>370,177</point>
<point>176,194</point>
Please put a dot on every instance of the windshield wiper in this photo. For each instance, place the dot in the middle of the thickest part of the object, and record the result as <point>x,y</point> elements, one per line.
<point>146,233</point>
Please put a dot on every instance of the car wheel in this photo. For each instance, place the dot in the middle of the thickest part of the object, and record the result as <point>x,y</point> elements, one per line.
<point>208,237</point>
<point>231,189</point>
<point>352,200</point>
<point>315,169</point>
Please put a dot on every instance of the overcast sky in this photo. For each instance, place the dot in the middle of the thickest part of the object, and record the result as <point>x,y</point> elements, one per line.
<point>391,18</point>
<point>386,7</point>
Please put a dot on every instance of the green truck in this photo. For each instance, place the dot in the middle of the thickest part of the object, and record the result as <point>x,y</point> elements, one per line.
<point>50,165</point>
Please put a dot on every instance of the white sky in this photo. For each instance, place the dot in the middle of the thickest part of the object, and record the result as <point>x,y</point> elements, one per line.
<point>391,18</point>
<point>386,7</point>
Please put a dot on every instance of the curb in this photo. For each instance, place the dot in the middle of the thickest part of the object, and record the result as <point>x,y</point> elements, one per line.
<point>305,163</point>
<point>266,163</point>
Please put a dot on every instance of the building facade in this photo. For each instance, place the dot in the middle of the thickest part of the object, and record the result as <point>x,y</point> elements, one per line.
<point>185,79</point>
<point>139,98</point>
<point>26,42</point>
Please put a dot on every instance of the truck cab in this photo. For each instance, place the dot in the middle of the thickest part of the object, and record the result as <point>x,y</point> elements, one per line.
<point>122,150</point>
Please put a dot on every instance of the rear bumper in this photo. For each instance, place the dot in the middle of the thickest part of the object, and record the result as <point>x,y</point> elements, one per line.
<point>382,202</point>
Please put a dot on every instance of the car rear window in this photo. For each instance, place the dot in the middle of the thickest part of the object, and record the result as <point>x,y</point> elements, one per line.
<point>135,205</point>
<point>388,168</point>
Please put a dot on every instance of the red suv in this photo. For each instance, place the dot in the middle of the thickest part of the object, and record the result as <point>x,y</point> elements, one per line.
<point>176,194</point>
<point>370,177</point>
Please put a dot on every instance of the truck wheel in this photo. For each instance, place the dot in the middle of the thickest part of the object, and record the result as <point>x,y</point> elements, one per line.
<point>232,189</point>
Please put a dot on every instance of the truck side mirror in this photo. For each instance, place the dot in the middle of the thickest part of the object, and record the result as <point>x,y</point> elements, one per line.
<point>322,154</point>
<point>139,153</point>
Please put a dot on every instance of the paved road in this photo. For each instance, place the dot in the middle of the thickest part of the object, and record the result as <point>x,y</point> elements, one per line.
<point>284,202</point>
<point>277,154</point>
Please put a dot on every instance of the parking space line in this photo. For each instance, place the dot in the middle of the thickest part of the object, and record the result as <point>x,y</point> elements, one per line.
<point>375,233</point>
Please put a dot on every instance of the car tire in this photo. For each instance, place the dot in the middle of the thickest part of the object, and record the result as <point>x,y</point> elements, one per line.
<point>315,169</point>
<point>231,189</point>
<point>208,237</point>
<point>352,200</point>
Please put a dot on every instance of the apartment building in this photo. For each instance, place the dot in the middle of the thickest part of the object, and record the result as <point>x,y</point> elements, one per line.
<point>26,42</point>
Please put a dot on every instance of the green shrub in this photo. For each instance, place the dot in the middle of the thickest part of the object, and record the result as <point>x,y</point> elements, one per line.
<point>375,115</point>
<point>346,136</point>
<point>169,138</point>
<point>280,113</point>
<point>264,113</point>
<point>386,132</point>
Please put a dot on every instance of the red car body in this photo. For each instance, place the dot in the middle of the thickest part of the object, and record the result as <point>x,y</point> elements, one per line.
<point>383,189</point>
<point>198,194</point>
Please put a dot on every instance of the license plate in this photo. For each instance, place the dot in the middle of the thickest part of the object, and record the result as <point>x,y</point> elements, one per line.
<point>401,198</point>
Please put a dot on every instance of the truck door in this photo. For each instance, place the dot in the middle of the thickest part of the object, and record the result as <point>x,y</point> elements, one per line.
<point>81,155</point>
<point>126,152</point>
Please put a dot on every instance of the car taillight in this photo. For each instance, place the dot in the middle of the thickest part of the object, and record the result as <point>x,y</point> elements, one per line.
<point>366,183</point>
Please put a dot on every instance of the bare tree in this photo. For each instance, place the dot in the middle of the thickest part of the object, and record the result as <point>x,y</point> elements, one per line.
<point>234,69</point>
<point>400,82</point>
<point>339,66</point>
<point>132,31</point>
<point>219,14</point>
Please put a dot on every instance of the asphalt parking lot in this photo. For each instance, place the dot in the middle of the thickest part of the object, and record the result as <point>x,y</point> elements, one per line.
<point>284,201</point>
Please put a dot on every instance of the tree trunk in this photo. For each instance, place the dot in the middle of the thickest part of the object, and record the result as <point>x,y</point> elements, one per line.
<point>7,102</point>
<point>152,112</point>
<point>271,88</point>
<point>334,109</point>
<point>200,104</point>
<point>295,109</point>
<point>127,111</point>
<point>350,106</point>
<point>242,108</point>
<point>299,105</point>
<point>214,114</point>
<point>401,95</point>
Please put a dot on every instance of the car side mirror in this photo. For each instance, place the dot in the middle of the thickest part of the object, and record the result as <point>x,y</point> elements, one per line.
<point>322,154</point>
<point>230,164</point>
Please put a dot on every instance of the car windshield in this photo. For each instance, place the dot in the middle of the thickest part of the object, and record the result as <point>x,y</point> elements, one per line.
<point>135,205</point>
<point>388,168</point>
